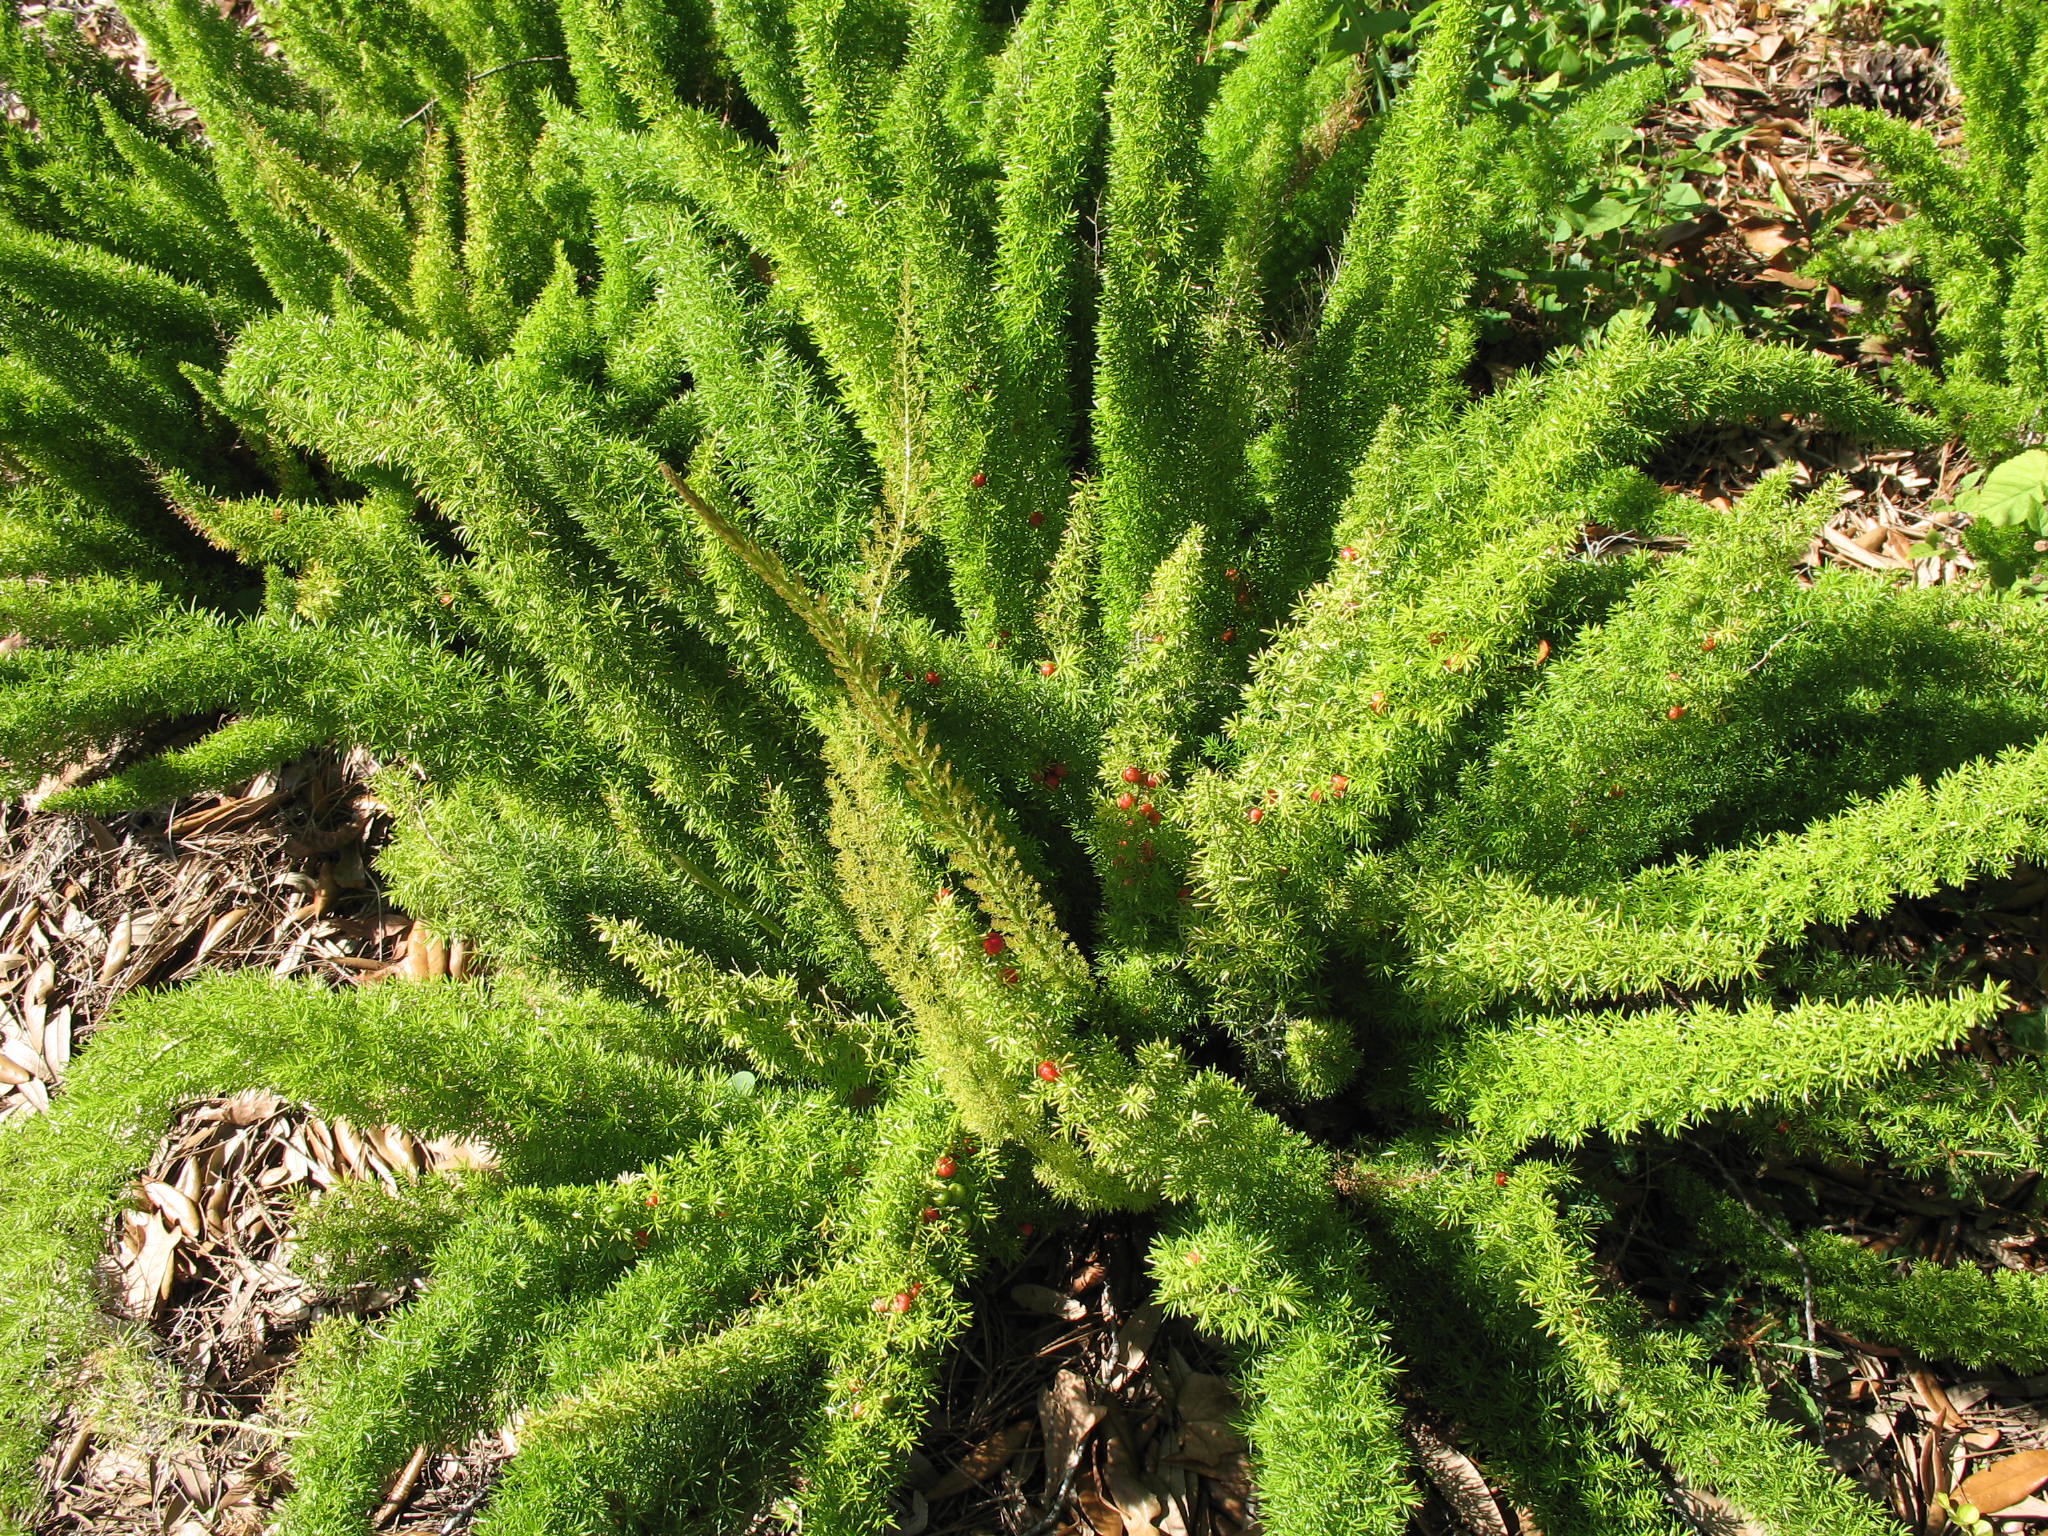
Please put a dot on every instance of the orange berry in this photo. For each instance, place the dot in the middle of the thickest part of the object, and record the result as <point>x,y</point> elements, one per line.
<point>1047,668</point>
<point>1256,813</point>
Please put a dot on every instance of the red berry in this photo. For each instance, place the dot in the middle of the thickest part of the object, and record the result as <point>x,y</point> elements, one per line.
<point>932,1213</point>
<point>1675,712</point>
<point>1187,893</point>
<point>1148,813</point>
<point>1025,1229</point>
<point>1037,519</point>
<point>1126,800</point>
<point>931,679</point>
<point>1151,781</point>
<point>1133,774</point>
<point>1500,1179</point>
<point>1049,1071</point>
<point>900,1302</point>
<point>1047,668</point>
<point>1256,813</point>
<point>1230,575</point>
<point>654,1200</point>
<point>1229,635</point>
<point>1379,703</point>
<point>994,944</point>
<point>640,1238</point>
<point>1338,784</point>
<point>1316,795</point>
<point>979,480</point>
<point>1710,642</point>
<point>1437,638</point>
<point>1194,1255</point>
<point>1348,552</point>
<point>945,1167</point>
<point>1009,976</point>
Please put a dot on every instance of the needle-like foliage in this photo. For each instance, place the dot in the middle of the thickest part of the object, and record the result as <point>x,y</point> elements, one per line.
<point>951,623</point>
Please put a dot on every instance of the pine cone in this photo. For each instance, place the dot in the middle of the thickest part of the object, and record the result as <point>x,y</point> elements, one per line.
<point>1906,82</point>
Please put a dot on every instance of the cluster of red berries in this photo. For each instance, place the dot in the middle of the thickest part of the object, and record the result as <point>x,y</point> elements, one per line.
<point>901,1302</point>
<point>1051,776</point>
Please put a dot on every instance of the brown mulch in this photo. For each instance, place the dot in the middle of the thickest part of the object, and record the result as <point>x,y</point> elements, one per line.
<point>204,1254</point>
<point>1766,68</point>
<point>1074,1406</point>
<point>278,875</point>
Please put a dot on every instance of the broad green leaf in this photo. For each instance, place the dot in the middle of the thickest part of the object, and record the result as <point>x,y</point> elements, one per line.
<point>2012,493</point>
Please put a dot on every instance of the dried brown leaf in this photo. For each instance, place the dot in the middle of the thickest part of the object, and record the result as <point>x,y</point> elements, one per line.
<point>175,1204</point>
<point>1458,1478</point>
<point>2005,1482</point>
<point>119,947</point>
<point>148,1276</point>
<point>1048,1302</point>
<point>1069,1416</point>
<point>983,1461</point>
<point>1136,1500</point>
